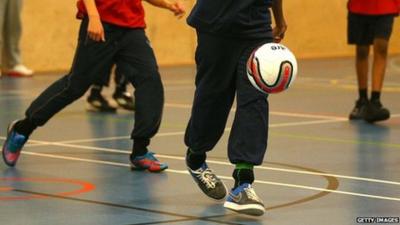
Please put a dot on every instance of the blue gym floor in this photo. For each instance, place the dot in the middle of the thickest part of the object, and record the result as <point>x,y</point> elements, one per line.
<point>319,169</point>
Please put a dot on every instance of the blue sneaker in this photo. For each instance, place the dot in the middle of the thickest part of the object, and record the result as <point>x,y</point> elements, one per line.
<point>244,199</point>
<point>13,145</point>
<point>208,182</point>
<point>147,162</point>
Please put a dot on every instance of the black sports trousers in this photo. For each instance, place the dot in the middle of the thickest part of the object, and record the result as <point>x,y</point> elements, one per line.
<point>131,51</point>
<point>221,74</point>
<point>119,78</point>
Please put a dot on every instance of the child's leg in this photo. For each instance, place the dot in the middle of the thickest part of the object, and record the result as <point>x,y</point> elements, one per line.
<point>362,53</point>
<point>379,64</point>
<point>91,58</point>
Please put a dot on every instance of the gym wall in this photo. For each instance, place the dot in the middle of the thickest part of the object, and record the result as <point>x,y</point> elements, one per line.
<point>317,28</point>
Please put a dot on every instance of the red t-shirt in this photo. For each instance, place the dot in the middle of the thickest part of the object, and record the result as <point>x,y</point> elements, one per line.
<point>124,13</point>
<point>374,7</point>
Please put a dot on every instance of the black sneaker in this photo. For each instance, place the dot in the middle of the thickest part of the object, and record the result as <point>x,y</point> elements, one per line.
<point>244,199</point>
<point>358,111</point>
<point>125,100</point>
<point>97,103</point>
<point>208,182</point>
<point>376,112</point>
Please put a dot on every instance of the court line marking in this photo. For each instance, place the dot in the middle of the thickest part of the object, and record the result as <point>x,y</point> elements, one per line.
<point>119,151</point>
<point>84,187</point>
<point>166,134</point>
<point>110,204</point>
<point>178,133</point>
<point>337,140</point>
<point>276,113</point>
<point>223,177</point>
<point>5,189</point>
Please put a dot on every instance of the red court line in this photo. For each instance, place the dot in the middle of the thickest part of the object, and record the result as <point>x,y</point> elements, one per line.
<point>5,189</point>
<point>83,187</point>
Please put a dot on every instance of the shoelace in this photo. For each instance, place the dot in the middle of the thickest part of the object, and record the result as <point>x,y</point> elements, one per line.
<point>208,178</point>
<point>251,194</point>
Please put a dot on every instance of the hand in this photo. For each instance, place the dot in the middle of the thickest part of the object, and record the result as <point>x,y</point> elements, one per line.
<point>178,9</point>
<point>279,32</point>
<point>95,29</point>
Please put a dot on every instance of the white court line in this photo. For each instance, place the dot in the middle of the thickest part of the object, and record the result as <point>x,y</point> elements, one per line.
<point>178,133</point>
<point>226,163</point>
<point>290,124</point>
<point>166,134</point>
<point>41,143</point>
<point>223,177</point>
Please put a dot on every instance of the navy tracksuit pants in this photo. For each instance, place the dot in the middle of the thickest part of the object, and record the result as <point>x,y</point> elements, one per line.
<point>130,50</point>
<point>221,74</point>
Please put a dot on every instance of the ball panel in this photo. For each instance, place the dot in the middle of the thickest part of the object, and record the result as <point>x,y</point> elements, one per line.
<point>254,75</point>
<point>272,68</point>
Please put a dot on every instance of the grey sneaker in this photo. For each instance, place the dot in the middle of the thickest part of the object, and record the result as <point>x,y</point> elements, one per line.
<point>208,182</point>
<point>244,199</point>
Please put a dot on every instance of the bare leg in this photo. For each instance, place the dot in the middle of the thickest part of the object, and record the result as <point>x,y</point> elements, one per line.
<point>362,52</point>
<point>375,111</point>
<point>379,64</point>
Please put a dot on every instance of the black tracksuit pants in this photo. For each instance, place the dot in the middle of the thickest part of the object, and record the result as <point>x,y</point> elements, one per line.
<point>131,51</point>
<point>221,73</point>
<point>119,78</point>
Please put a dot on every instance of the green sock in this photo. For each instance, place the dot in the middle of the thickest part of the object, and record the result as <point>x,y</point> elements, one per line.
<point>247,166</point>
<point>243,173</point>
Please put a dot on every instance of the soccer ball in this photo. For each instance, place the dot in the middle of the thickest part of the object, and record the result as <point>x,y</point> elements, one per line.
<point>272,68</point>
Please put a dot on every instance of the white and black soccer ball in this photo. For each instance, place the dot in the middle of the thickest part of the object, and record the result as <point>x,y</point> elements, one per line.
<point>272,68</point>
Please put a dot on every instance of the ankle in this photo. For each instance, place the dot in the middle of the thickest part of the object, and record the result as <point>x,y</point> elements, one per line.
<point>195,160</point>
<point>96,90</point>
<point>25,127</point>
<point>363,94</point>
<point>140,147</point>
<point>243,174</point>
<point>375,96</point>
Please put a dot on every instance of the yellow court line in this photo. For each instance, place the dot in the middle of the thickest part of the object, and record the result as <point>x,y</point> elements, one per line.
<point>277,113</point>
<point>336,140</point>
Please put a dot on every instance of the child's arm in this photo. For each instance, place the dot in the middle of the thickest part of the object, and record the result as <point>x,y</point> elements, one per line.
<point>280,23</point>
<point>176,7</point>
<point>95,28</point>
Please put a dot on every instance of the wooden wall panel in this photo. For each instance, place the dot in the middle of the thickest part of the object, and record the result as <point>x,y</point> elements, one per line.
<point>317,28</point>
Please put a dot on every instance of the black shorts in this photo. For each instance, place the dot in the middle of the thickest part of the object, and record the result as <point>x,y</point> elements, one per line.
<point>363,29</point>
